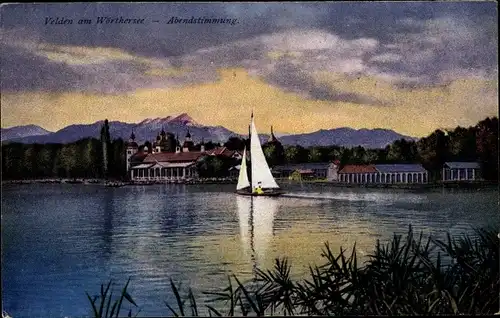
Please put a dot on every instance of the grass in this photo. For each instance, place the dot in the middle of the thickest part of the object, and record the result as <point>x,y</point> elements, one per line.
<point>407,276</point>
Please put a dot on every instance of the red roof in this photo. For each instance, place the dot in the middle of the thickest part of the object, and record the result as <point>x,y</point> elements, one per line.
<point>173,157</point>
<point>138,156</point>
<point>358,169</point>
<point>220,151</point>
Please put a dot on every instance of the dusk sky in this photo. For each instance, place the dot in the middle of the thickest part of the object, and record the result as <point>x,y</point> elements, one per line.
<point>412,67</point>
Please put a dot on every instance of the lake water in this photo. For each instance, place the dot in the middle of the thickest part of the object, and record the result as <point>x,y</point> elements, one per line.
<point>59,241</point>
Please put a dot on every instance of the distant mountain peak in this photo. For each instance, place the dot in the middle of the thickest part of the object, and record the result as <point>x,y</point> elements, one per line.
<point>23,131</point>
<point>185,119</point>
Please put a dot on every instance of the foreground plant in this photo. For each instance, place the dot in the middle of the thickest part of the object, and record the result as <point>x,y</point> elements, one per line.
<point>105,308</point>
<point>404,277</point>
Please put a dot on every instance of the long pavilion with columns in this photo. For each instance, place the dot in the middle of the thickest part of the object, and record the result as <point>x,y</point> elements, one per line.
<point>384,174</point>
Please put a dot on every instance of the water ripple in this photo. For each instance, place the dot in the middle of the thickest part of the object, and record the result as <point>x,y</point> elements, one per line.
<point>59,241</point>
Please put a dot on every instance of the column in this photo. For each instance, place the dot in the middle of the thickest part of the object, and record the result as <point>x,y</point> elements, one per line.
<point>444,175</point>
<point>473,174</point>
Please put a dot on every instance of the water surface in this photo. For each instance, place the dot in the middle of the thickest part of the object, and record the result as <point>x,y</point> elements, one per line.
<point>59,241</point>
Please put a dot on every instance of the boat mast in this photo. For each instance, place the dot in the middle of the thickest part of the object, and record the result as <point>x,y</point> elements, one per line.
<point>250,156</point>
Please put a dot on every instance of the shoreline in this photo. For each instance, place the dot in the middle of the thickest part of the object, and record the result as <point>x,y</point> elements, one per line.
<point>119,183</point>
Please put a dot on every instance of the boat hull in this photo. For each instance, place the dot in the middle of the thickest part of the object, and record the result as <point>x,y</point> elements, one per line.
<point>265,194</point>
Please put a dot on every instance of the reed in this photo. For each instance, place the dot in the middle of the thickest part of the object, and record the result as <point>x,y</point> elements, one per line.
<point>407,276</point>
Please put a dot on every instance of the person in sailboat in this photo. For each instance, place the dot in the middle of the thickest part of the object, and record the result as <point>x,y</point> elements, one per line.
<point>258,188</point>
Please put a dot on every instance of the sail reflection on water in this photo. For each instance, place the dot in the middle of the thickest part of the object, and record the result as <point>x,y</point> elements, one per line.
<point>256,219</point>
<point>244,209</point>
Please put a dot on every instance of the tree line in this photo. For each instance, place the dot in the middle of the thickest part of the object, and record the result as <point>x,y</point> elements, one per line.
<point>476,143</point>
<point>105,158</point>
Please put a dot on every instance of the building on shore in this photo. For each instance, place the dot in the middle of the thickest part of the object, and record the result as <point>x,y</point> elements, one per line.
<point>461,171</point>
<point>384,174</point>
<point>321,170</point>
<point>168,159</point>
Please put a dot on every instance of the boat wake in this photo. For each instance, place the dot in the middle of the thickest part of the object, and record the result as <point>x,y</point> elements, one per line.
<point>308,196</point>
<point>380,198</point>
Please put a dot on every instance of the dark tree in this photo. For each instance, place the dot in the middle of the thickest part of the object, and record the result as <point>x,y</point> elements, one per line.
<point>234,143</point>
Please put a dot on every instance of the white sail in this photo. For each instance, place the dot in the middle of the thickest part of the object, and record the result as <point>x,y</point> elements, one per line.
<point>260,170</point>
<point>243,177</point>
<point>264,211</point>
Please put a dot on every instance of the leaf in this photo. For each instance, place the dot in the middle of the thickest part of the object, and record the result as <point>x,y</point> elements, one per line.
<point>180,304</point>
<point>129,298</point>
<point>213,310</point>
<point>194,309</point>
<point>103,298</point>
<point>172,310</point>
<point>92,302</point>
<point>120,301</point>
<point>247,296</point>
<point>108,304</point>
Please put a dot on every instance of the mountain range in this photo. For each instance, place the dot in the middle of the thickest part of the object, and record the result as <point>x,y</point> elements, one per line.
<point>20,132</point>
<point>149,128</point>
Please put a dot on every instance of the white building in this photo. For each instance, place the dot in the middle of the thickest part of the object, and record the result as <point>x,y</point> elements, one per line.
<point>320,170</point>
<point>461,171</point>
<point>384,174</point>
<point>165,165</point>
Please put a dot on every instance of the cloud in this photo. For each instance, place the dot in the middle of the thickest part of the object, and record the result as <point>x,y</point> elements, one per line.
<point>288,59</point>
<point>295,79</point>
<point>409,44</point>
<point>438,51</point>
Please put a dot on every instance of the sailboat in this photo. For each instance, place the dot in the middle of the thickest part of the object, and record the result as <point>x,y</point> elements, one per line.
<point>262,182</point>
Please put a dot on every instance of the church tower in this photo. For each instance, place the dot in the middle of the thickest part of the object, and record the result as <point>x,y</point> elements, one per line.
<point>177,145</point>
<point>202,147</point>
<point>272,138</point>
<point>188,142</point>
<point>132,149</point>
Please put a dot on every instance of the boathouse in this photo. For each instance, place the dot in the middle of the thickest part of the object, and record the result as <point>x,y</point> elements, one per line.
<point>321,170</point>
<point>461,171</point>
<point>384,174</point>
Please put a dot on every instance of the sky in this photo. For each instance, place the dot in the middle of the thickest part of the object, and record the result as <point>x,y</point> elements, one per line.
<point>413,67</point>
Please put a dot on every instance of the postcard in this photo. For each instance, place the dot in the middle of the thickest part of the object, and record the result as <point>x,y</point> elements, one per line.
<point>213,159</point>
